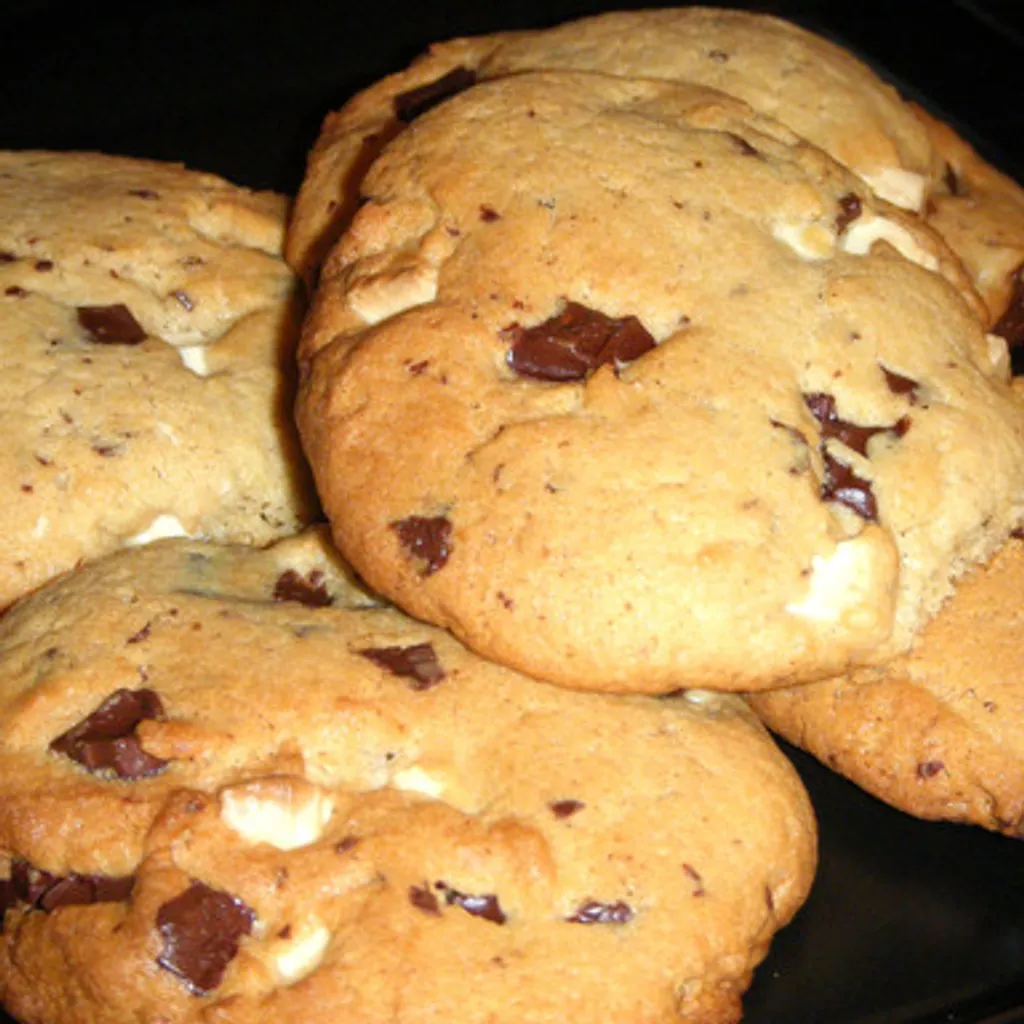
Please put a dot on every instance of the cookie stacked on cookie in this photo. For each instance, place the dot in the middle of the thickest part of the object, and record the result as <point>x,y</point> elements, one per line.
<point>645,362</point>
<point>669,348</point>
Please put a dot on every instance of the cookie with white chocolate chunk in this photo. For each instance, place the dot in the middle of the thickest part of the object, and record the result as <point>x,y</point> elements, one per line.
<point>147,321</point>
<point>938,732</point>
<point>632,388</point>
<point>236,789</point>
<point>816,88</point>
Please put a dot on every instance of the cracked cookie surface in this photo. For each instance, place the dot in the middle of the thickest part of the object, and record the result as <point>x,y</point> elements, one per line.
<point>816,88</point>
<point>633,389</point>
<point>146,320</point>
<point>938,732</point>
<point>235,788</point>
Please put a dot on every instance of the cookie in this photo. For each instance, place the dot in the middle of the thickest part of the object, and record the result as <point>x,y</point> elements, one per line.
<point>146,316</point>
<point>236,789</point>
<point>938,732</point>
<point>818,89</point>
<point>980,213</point>
<point>633,389</point>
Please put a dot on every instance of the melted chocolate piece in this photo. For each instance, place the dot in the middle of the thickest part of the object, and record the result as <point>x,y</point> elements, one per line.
<point>849,210</point>
<point>486,906</point>
<point>410,104</point>
<point>929,769</point>
<point>900,385</point>
<point>309,590</point>
<point>843,485</point>
<point>823,409</point>
<point>111,325</point>
<point>566,808</point>
<point>201,930</point>
<point>1011,324</point>
<point>427,539</point>
<point>106,739</point>
<point>574,343</point>
<point>44,266</point>
<point>417,662</point>
<point>47,892</point>
<point>423,899</point>
<point>593,912</point>
<point>7,257</point>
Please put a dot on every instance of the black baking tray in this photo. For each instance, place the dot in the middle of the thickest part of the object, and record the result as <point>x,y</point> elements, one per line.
<point>909,922</point>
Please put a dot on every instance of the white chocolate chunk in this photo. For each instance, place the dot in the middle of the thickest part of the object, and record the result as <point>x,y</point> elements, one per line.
<point>899,187</point>
<point>416,780</point>
<point>285,811</point>
<point>839,583</point>
<point>301,954</point>
<point>193,357</point>
<point>862,234</point>
<point>809,241</point>
<point>381,297</point>
<point>165,525</point>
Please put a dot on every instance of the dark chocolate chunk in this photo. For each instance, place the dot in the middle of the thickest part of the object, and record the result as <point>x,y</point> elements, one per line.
<point>574,343</point>
<point>593,912</point>
<point>7,257</point>
<point>309,590</point>
<point>849,210</point>
<point>423,899</point>
<point>900,385</point>
<point>566,808</point>
<point>486,906</point>
<point>15,292</point>
<point>410,104</point>
<point>417,662</point>
<point>111,325</point>
<point>823,408</point>
<point>843,485</point>
<point>1011,324</point>
<point>201,930</point>
<point>489,214</point>
<point>106,739</point>
<point>929,769</point>
<point>44,266</point>
<point>47,892</point>
<point>427,539</point>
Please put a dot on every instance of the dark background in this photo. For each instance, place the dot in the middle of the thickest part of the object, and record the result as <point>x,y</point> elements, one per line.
<point>908,921</point>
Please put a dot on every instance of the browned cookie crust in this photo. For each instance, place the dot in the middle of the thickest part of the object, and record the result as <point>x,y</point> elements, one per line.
<point>939,732</point>
<point>819,90</point>
<point>632,388</point>
<point>146,320</point>
<point>234,789</point>
<point>980,213</point>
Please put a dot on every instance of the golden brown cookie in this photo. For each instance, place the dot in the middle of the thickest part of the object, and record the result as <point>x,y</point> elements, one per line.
<point>980,213</point>
<point>816,88</point>
<point>938,732</point>
<point>236,789</point>
<point>632,388</point>
<point>146,320</point>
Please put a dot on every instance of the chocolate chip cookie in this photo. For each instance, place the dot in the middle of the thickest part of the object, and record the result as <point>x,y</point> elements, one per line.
<point>146,318</point>
<point>236,788</point>
<point>980,213</point>
<point>816,88</point>
<point>632,388</point>
<point>939,732</point>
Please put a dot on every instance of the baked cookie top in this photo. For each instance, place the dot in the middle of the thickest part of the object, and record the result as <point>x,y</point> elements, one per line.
<point>631,388</point>
<point>145,318</point>
<point>980,213</point>
<point>815,87</point>
<point>939,732</point>
<point>237,789</point>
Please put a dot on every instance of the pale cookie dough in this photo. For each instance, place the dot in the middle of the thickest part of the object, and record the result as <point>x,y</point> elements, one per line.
<point>237,790</point>
<point>778,438</point>
<point>980,213</point>
<point>939,732</point>
<point>818,89</point>
<point>147,324</point>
